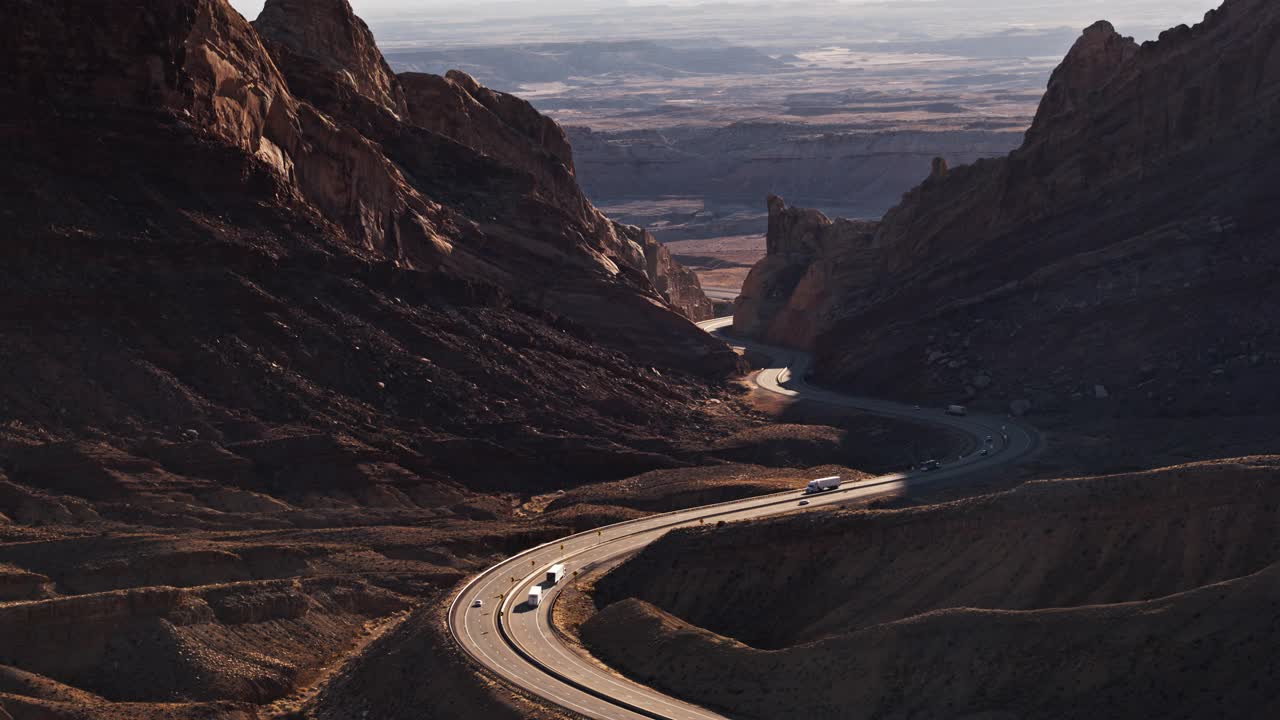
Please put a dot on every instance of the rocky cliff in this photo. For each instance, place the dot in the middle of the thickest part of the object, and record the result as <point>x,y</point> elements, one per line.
<point>320,46</point>
<point>1120,260</point>
<point>807,257</point>
<point>273,315</point>
<point>294,184</point>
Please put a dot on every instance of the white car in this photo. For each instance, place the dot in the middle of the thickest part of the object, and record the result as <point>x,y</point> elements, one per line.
<point>477,604</point>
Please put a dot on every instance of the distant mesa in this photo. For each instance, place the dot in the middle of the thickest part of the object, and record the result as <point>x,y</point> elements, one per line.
<point>516,65</point>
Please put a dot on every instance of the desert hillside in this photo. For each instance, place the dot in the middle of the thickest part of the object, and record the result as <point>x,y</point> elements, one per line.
<point>213,243</point>
<point>288,341</point>
<point>1119,262</point>
<point>1134,594</point>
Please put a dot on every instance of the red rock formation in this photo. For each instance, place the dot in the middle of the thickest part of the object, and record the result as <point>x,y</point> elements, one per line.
<point>244,296</point>
<point>808,257</point>
<point>1126,244</point>
<point>279,269</point>
<point>336,47</point>
<point>321,46</point>
<point>678,284</point>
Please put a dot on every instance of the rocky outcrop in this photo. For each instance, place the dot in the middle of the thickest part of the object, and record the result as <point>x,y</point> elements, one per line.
<point>808,257</point>
<point>294,196</point>
<point>1125,244</point>
<point>416,121</point>
<point>492,123</point>
<point>543,132</point>
<point>678,284</point>
<point>326,40</point>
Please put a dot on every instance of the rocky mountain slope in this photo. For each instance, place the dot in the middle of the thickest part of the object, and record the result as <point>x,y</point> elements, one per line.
<point>243,240</point>
<point>287,339</point>
<point>1121,260</point>
<point>1112,596</point>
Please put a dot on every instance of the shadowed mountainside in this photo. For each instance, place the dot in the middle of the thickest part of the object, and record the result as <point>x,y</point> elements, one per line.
<point>1123,258</point>
<point>287,338</point>
<point>1124,253</point>
<point>1148,592</point>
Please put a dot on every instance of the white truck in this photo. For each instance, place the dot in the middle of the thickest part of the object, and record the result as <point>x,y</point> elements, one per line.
<point>555,573</point>
<point>957,410</point>
<point>822,485</point>
<point>535,596</point>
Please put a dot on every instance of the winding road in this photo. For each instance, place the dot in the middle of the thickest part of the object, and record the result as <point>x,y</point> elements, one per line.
<point>517,642</point>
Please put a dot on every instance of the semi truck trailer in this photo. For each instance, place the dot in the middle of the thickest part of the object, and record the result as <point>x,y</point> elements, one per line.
<point>822,485</point>
<point>555,573</point>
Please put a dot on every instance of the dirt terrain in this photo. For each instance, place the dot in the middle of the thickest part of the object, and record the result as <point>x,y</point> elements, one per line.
<point>1139,593</point>
<point>720,262</point>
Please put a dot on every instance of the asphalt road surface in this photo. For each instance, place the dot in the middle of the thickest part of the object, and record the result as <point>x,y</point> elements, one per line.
<point>516,641</point>
<point>720,294</point>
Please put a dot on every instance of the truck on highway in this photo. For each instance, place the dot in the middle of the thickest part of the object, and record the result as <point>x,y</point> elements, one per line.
<point>555,573</point>
<point>957,410</point>
<point>822,485</point>
<point>535,596</point>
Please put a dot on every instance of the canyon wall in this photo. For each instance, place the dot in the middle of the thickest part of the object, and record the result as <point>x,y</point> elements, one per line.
<point>290,178</point>
<point>287,338</point>
<point>1118,261</point>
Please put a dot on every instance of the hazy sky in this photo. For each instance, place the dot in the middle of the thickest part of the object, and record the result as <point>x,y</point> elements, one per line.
<point>1104,8</point>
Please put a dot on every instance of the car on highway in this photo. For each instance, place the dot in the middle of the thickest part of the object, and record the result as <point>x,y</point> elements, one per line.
<point>804,502</point>
<point>985,452</point>
<point>990,439</point>
<point>930,465</point>
<point>478,603</point>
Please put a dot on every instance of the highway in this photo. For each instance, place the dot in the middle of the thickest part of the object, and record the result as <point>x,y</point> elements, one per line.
<point>720,294</point>
<point>517,642</point>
